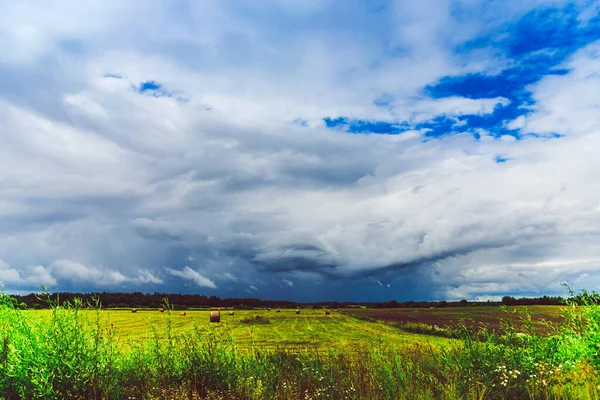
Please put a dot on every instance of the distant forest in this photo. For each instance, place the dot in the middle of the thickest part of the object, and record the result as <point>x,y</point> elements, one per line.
<point>185,301</point>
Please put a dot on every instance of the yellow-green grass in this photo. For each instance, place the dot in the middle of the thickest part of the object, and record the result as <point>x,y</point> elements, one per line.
<point>287,330</point>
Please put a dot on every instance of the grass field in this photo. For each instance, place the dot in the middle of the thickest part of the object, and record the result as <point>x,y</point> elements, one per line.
<point>348,328</point>
<point>310,329</point>
<point>74,352</point>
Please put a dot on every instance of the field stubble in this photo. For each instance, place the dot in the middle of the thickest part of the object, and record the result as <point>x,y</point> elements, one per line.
<point>285,330</point>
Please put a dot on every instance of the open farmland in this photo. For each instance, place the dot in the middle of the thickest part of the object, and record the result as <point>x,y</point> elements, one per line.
<point>490,317</point>
<point>309,329</point>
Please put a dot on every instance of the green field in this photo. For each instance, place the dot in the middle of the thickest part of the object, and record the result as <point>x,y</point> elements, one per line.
<point>72,351</point>
<point>311,328</point>
<point>285,330</point>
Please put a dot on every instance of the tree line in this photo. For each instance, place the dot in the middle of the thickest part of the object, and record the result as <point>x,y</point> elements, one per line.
<point>184,301</point>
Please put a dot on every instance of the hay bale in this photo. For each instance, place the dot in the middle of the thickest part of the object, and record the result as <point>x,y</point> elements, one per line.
<point>215,316</point>
<point>162,310</point>
<point>133,310</point>
<point>268,309</point>
<point>231,313</point>
<point>278,310</point>
<point>297,311</point>
<point>183,314</point>
<point>327,312</point>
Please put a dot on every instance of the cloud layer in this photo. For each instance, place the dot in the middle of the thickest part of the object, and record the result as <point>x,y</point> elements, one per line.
<point>293,150</point>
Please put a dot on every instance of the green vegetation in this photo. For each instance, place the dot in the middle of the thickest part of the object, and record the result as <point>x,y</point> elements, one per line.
<point>74,352</point>
<point>311,329</point>
<point>257,319</point>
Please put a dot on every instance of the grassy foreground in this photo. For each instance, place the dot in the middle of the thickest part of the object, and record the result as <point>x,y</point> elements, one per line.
<point>69,352</point>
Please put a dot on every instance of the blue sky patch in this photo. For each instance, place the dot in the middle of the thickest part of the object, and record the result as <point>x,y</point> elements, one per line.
<point>149,86</point>
<point>535,46</point>
<point>362,126</point>
<point>153,88</point>
<point>538,44</point>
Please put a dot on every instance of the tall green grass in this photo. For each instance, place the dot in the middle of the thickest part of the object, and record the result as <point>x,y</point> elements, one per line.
<point>71,356</point>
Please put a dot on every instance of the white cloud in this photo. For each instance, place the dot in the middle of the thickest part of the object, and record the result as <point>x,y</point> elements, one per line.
<point>10,276</point>
<point>426,110</point>
<point>194,276</point>
<point>146,276</point>
<point>230,277</point>
<point>568,104</point>
<point>288,282</point>
<point>69,271</point>
<point>30,277</point>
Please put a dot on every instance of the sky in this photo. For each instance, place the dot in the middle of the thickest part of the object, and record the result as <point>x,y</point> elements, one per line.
<point>312,150</point>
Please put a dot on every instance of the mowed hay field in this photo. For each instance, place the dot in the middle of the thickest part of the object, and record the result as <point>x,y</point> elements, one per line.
<point>490,317</point>
<point>286,330</point>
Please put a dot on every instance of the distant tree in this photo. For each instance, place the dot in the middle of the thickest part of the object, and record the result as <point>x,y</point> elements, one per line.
<point>392,304</point>
<point>509,301</point>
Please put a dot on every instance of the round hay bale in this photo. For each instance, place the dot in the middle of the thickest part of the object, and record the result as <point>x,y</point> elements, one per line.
<point>327,312</point>
<point>297,311</point>
<point>162,310</point>
<point>268,309</point>
<point>230,312</point>
<point>278,310</point>
<point>183,314</point>
<point>133,310</point>
<point>215,316</point>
